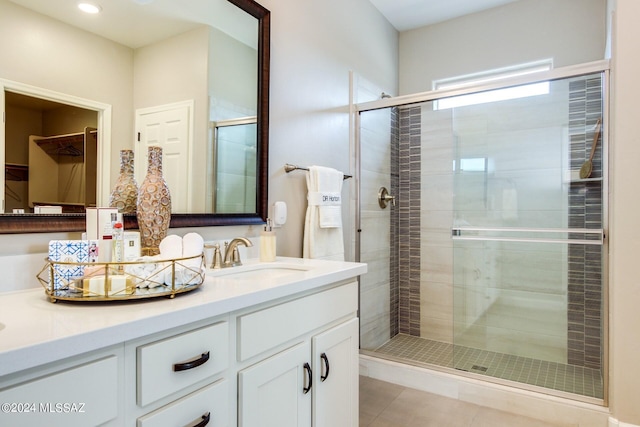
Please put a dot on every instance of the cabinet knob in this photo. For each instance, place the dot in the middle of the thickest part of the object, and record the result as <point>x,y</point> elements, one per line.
<point>190,364</point>
<point>325,359</point>
<point>307,369</point>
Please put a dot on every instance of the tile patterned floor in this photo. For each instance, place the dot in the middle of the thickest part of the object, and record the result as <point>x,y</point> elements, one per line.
<point>389,405</point>
<point>556,376</point>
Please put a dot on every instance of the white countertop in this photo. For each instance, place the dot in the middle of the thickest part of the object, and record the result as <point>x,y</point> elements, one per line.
<point>37,331</point>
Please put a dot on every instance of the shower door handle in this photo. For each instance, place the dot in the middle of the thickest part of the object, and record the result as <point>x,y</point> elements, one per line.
<point>384,198</point>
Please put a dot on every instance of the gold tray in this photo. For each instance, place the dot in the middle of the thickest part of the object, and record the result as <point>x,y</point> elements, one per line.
<point>121,281</point>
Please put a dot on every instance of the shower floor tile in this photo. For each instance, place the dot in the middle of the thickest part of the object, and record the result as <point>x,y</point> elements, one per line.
<point>551,375</point>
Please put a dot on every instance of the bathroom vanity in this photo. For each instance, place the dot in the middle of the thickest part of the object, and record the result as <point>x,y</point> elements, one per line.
<point>269,344</point>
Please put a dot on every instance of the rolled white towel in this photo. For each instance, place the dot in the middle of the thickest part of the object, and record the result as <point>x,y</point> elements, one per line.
<point>170,248</point>
<point>146,272</point>
<point>156,275</point>
<point>192,245</point>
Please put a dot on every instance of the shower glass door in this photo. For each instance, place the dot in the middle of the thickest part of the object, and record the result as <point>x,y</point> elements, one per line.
<point>232,180</point>
<point>492,260</point>
<point>528,236</point>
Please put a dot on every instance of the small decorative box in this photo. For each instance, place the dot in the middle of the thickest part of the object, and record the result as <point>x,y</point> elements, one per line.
<point>68,251</point>
<point>132,249</point>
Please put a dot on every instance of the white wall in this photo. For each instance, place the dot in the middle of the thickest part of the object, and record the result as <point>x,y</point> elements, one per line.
<point>569,31</point>
<point>233,77</point>
<point>624,207</point>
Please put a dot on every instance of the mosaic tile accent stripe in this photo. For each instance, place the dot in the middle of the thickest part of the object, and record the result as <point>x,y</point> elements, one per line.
<point>556,376</point>
<point>585,281</point>
<point>408,214</point>
<point>394,234</point>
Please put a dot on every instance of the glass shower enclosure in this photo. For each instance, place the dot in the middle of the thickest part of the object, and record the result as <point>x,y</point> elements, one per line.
<point>232,166</point>
<point>491,262</point>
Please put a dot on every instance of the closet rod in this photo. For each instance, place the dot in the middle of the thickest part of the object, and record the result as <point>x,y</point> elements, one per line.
<point>290,168</point>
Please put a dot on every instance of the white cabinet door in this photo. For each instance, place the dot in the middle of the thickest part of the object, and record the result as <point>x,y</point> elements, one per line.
<point>335,376</point>
<point>271,393</point>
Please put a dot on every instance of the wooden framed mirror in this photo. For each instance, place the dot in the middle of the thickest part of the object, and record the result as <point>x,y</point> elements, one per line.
<point>72,222</point>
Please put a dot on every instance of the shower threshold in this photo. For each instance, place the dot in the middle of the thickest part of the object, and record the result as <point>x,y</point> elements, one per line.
<point>549,375</point>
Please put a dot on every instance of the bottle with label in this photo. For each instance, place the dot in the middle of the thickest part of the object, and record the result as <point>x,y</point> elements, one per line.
<point>117,243</point>
<point>268,243</point>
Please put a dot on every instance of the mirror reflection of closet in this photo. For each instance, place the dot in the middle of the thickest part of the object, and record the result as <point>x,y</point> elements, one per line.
<point>50,155</point>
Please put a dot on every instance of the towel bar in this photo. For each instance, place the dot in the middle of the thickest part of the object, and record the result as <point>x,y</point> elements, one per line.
<point>290,168</point>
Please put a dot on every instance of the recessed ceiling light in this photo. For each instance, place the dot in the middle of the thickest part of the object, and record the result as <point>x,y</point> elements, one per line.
<point>89,8</point>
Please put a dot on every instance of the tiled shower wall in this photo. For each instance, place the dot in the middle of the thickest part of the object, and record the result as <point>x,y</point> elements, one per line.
<point>394,235</point>
<point>406,167</point>
<point>585,211</point>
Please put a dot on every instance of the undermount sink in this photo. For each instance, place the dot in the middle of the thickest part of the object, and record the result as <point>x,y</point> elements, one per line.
<point>262,271</point>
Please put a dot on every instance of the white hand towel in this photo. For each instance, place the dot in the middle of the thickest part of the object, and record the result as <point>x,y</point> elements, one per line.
<point>323,237</point>
<point>329,210</point>
<point>325,188</point>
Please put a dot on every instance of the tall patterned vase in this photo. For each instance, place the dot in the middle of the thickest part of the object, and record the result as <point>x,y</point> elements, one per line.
<point>124,195</point>
<point>154,204</point>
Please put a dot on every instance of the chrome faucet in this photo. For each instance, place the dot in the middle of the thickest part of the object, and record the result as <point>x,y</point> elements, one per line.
<point>231,253</point>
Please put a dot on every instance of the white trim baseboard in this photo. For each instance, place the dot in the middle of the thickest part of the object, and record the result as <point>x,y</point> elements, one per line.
<point>615,423</point>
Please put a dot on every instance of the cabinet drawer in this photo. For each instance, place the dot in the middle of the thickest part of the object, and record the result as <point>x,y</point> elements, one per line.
<point>167,366</point>
<point>86,395</point>
<point>210,402</point>
<point>265,329</point>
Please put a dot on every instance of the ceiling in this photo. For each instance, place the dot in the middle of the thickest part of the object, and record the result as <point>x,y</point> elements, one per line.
<point>409,14</point>
<point>136,23</point>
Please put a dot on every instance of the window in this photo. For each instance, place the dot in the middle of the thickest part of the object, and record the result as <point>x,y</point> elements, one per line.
<point>490,77</point>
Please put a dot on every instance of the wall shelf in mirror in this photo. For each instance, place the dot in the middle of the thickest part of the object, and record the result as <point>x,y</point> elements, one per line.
<point>16,172</point>
<point>72,144</point>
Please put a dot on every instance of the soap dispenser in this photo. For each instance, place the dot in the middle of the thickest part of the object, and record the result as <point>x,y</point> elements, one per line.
<point>268,243</point>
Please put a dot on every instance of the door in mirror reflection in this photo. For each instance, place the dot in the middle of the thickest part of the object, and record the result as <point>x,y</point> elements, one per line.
<point>231,187</point>
<point>167,127</point>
